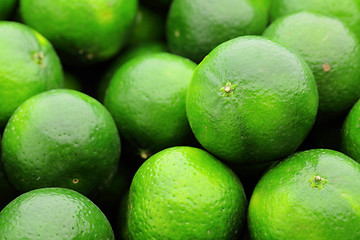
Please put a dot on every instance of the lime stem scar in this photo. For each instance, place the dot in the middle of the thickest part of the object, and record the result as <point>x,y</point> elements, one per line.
<point>227,89</point>
<point>75,181</point>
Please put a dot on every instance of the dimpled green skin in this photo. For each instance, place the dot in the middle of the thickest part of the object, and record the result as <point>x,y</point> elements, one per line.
<point>131,53</point>
<point>287,204</point>
<point>195,27</point>
<point>53,213</point>
<point>185,193</point>
<point>28,66</point>
<point>83,31</point>
<point>61,138</point>
<point>146,97</point>
<point>270,109</point>
<point>348,11</point>
<point>6,7</point>
<point>351,133</point>
<point>332,52</point>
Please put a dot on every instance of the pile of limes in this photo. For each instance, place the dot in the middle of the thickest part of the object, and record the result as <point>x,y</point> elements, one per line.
<point>180,119</point>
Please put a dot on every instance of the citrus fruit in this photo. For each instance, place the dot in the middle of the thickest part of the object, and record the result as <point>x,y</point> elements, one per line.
<point>251,101</point>
<point>332,52</point>
<point>28,65</point>
<point>351,133</point>
<point>6,7</point>
<point>195,27</point>
<point>348,11</point>
<point>54,213</point>
<point>266,4</point>
<point>146,97</point>
<point>61,138</point>
<point>185,193</point>
<point>148,27</point>
<point>129,54</point>
<point>85,32</point>
<point>311,195</point>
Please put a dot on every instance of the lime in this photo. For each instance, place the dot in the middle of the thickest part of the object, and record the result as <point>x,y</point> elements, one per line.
<point>54,213</point>
<point>351,133</point>
<point>266,4</point>
<point>6,8</point>
<point>332,52</point>
<point>185,193</point>
<point>146,97</point>
<point>61,138</point>
<point>348,11</point>
<point>251,101</point>
<point>28,65</point>
<point>129,54</point>
<point>85,31</point>
<point>311,195</point>
<point>148,27</point>
<point>195,27</point>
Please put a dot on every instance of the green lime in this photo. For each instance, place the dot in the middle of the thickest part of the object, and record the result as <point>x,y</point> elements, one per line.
<point>195,27</point>
<point>28,65</point>
<point>56,214</point>
<point>251,101</point>
<point>146,97</point>
<point>85,31</point>
<point>351,133</point>
<point>185,193</point>
<point>332,52</point>
<point>131,53</point>
<point>266,4</point>
<point>148,27</point>
<point>311,195</point>
<point>348,11</point>
<point>61,138</point>
<point>6,8</point>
